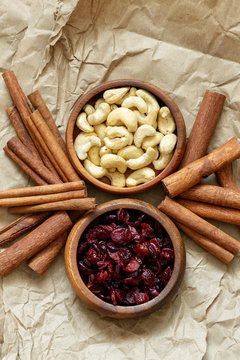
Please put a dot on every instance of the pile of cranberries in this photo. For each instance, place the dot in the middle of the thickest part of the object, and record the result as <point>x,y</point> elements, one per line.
<point>125,257</point>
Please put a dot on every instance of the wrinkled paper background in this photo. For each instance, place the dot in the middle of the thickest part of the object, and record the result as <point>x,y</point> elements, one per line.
<point>63,48</point>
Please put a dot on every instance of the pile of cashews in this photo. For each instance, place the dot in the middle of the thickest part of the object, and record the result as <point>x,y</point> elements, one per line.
<point>125,129</point>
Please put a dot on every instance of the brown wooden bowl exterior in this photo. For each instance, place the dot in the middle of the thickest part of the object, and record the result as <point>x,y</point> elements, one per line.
<point>102,307</point>
<point>163,97</point>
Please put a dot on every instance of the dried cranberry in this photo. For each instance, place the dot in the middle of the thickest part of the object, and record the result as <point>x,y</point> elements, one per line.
<point>125,257</point>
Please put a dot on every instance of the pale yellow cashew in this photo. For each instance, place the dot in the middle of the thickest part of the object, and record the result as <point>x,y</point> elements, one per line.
<point>149,99</point>
<point>104,150</point>
<point>143,160</point>
<point>84,142</point>
<point>89,109</point>
<point>113,107</point>
<point>168,144</point>
<point>96,171</point>
<point>117,137</point>
<point>130,152</point>
<point>98,102</point>
<point>152,140</point>
<point>162,161</point>
<point>126,116</point>
<point>131,92</point>
<point>166,123</point>
<point>111,96</point>
<point>100,115</point>
<point>135,102</point>
<point>117,179</point>
<point>109,161</point>
<point>83,124</point>
<point>149,119</point>
<point>93,155</point>
<point>140,176</point>
<point>142,132</point>
<point>100,130</point>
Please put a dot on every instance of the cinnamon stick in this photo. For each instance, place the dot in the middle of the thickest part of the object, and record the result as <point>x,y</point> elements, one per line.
<point>196,223</point>
<point>42,260</point>
<point>20,226</point>
<point>35,241</point>
<point>48,159</point>
<point>54,147</point>
<point>39,104</point>
<point>72,204</point>
<point>193,173</point>
<point>218,213</point>
<point>28,158</point>
<point>213,194</point>
<point>42,190</point>
<point>19,126</point>
<point>204,126</point>
<point>220,253</point>
<point>225,177</point>
<point>28,170</point>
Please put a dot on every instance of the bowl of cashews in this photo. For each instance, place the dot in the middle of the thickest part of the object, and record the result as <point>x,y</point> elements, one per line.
<point>124,136</point>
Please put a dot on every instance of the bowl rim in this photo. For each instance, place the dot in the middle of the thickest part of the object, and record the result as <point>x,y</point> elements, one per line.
<point>119,311</point>
<point>159,93</point>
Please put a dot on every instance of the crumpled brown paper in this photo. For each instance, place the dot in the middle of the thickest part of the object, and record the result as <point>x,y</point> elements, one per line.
<point>63,48</point>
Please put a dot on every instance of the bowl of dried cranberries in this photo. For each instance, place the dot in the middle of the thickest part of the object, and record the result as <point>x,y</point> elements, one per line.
<point>125,259</point>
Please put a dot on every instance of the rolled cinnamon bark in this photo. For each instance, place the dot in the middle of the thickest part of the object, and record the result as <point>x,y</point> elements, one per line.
<point>50,163</point>
<point>54,147</point>
<point>43,190</point>
<point>28,170</point>
<point>213,194</point>
<point>42,199</point>
<point>217,251</point>
<point>203,127</point>
<point>35,241</point>
<point>39,104</point>
<point>73,204</point>
<point>196,223</point>
<point>26,156</point>
<point>193,173</point>
<point>42,260</point>
<point>20,226</point>
<point>218,213</point>
<point>225,177</point>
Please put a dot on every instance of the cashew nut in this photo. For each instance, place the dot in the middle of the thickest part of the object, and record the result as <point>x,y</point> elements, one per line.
<point>83,124</point>
<point>96,171</point>
<point>117,179</point>
<point>126,116</point>
<point>100,115</point>
<point>166,123</point>
<point>140,176</point>
<point>113,107</point>
<point>111,160</point>
<point>149,99</point>
<point>162,161</point>
<point>135,101</point>
<point>152,140</point>
<point>111,96</point>
<point>104,150</point>
<point>167,144</point>
<point>149,119</point>
<point>130,152</point>
<point>84,142</point>
<point>143,160</point>
<point>142,132</point>
<point>98,102</point>
<point>117,137</point>
<point>89,109</point>
<point>93,155</point>
<point>100,130</point>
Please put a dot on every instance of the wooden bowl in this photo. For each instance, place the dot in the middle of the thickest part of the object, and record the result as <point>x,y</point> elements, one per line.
<point>107,309</point>
<point>90,97</point>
